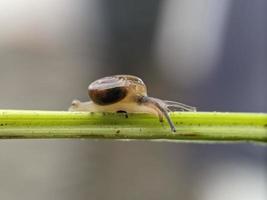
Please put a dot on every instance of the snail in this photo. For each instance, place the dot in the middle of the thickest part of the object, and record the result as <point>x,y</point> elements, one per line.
<point>126,93</point>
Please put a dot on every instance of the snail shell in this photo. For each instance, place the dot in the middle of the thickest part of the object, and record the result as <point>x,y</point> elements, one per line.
<point>112,89</point>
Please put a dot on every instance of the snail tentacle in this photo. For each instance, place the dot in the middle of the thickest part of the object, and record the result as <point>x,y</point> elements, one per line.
<point>159,106</point>
<point>177,106</point>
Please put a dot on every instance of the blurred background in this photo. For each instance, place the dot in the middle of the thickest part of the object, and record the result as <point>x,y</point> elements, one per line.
<point>208,54</point>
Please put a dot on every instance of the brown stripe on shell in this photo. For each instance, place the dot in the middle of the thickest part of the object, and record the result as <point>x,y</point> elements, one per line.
<point>107,96</point>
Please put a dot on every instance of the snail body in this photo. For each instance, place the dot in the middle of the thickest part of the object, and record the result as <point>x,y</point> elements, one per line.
<point>126,93</point>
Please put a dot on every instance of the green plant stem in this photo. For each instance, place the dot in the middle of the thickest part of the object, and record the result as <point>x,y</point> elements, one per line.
<point>191,126</point>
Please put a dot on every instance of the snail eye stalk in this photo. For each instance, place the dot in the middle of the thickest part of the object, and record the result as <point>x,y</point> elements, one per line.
<point>176,106</point>
<point>159,106</point>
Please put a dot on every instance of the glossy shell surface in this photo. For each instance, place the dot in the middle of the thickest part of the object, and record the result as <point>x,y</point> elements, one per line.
<point>111,89</point>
